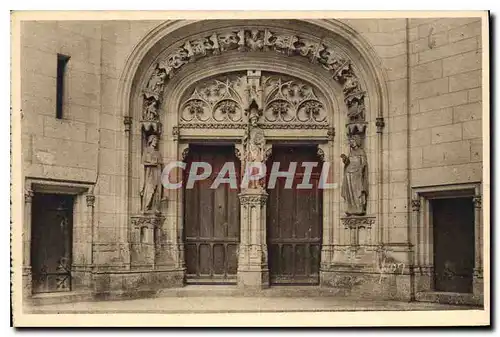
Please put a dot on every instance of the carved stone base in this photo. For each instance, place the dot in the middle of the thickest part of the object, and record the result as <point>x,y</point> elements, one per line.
<point>257,278</point>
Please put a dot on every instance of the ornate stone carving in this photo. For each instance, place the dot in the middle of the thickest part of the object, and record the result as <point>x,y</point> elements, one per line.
<point>90,200</point>
<point>477,200</point>
<point>321,154</point>
<point>175,132</point>
<point>185,153</point>
<point>254,40</point>
<point>356,222</point>
<point>331,133</point>
<point>355,181</point>
<point>291,101</point>
<point>415,205</point>
<point>285,103</point>
<point>201,125</point>
<point>150,190</point>
<point>127,121</point>
<point>216,101</point>
<point>254,145</point>
<point>253,199</point>
<point>28,196</point>
<point>150,221</point>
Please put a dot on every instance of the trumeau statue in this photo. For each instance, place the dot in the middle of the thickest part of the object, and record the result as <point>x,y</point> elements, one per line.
<point>150,179</point>
<point>254,141</point>
<point>254,144</point>
<point>355,182</point>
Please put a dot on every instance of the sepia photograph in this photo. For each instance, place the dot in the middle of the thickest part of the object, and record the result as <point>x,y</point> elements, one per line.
<point>250,168</point>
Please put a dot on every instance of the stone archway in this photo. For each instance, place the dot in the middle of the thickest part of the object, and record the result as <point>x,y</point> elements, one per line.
<point>156,104</point>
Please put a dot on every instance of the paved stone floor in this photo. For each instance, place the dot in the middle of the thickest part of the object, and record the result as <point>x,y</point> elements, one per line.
<point>211,304</point>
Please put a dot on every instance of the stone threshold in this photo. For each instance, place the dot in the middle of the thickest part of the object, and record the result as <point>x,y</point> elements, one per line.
<point>59,297</point>
<point>449,298</point>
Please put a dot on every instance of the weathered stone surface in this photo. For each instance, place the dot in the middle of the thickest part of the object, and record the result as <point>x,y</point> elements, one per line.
<point>433,140</point>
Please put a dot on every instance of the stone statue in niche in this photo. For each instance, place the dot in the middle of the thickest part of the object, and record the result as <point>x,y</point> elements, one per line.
<point>355,181</point>
<point>150,179</point>
<point>254,143</point>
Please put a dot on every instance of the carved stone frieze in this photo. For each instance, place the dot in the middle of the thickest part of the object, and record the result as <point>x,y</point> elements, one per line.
<point>150,221</point>
<point>355,222</point>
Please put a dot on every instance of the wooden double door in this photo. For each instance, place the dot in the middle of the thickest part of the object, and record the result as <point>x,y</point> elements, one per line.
<point>294,219</point>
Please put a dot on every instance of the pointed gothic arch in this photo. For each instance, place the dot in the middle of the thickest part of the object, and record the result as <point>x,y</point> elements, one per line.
<point>178,57</point>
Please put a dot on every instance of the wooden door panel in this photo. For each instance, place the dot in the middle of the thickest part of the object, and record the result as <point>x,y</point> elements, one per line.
<point>212,221</point>
<point>453,222</point>
<point>294,222</point>
<point>51,242</point>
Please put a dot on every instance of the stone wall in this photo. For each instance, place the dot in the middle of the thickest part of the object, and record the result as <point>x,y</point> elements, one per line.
<point>432,133</point>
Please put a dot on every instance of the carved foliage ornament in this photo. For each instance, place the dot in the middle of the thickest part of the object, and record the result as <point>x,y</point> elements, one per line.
<point>316,51</point>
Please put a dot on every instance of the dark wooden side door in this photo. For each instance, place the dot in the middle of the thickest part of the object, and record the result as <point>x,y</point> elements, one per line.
<point>51,237</point>
<point>453,223</point>
<point>211,220</point>
<point>294,220</point>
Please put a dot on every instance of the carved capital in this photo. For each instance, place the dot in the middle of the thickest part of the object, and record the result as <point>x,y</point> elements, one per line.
<point>415,205</point>
<point>356,222</point>
<point>90,200</point>
<point>253,199</point>
<point>477,200</point>
<point>28,196</point>
<point>380,124</point>
<point>127,122</point>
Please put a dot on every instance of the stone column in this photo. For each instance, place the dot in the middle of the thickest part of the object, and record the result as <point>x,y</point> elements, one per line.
<point>28,198</point>
<point>325,154</point>
<point>253,271</point>
<point>478,248</point>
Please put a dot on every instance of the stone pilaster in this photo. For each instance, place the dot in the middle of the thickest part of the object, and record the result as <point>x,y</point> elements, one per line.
<point>478,285</point>
<point>253,271</point>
